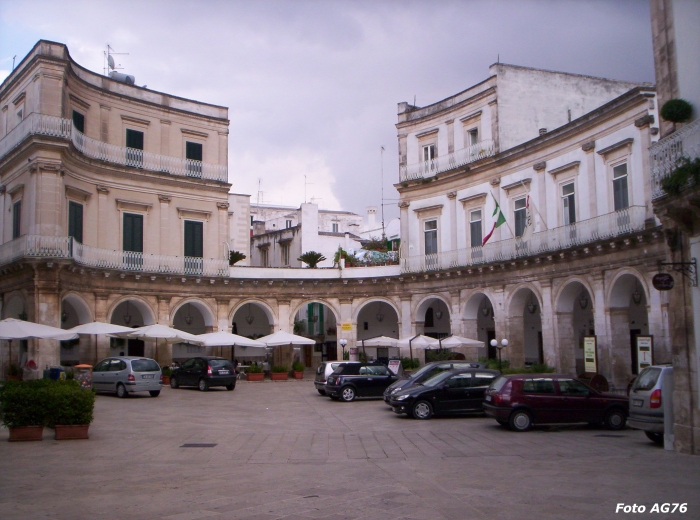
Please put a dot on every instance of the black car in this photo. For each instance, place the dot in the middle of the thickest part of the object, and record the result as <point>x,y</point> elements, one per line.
<point>426,372</point>
<point>204,372</point>
<point>351,380</point>
<point>453,391</point>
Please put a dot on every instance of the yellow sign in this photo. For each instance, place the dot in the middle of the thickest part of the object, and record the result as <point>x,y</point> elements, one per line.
<point>346,327</point>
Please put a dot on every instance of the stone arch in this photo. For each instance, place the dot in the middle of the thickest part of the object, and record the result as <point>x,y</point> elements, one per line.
<point>148,313</point>
<point>263,323</point>
<point>574,319</point>
<point>81,312</point>
<point>367,313</point>
<point>299,306</point>
<point>524,326</point>
<point>360,304</point>
<point>263,305</point>
<point>208,314</point>
<point>14,303</point>
<point>435,303</point>
<point>479,321</point>
<point>622,285</point>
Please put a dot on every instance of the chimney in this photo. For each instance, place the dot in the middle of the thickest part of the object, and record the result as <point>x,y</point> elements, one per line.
<point>258,227</point>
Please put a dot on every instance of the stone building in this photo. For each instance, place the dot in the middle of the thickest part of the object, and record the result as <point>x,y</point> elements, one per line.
<point>676,45</point>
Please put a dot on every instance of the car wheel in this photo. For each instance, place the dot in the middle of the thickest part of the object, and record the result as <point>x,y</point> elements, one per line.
<point>154,393</point>
<point>121,391</point>
<point>615,420</point>
<point>230,387</point>
<point>174,383</point>
<point>656,438</point>
<point>203,385</point>
<point>322,392</point>
<point>422,410</point>
<point>520,421</point>
<point>348,394</point>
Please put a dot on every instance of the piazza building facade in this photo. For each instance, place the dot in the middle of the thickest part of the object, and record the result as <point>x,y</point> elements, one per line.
<point>115,207</point>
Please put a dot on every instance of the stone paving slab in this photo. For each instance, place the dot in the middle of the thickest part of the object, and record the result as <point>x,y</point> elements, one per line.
<point>284,452</point>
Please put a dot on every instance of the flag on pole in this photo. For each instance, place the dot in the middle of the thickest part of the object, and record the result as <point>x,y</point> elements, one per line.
<point>500,219</point>
<point>529,222</point>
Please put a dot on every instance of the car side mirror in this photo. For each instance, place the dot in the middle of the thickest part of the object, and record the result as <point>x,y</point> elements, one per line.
<point>444,386</point>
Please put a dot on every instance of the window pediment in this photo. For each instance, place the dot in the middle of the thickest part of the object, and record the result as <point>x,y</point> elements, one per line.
<point>193,214</point>
<point>523,183</point>
<point>130,205</point>
<point>77,194</point>
<point>616,146</point>
<point>561,169</point>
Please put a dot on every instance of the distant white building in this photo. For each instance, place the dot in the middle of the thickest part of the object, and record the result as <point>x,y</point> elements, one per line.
<point>375,230</point>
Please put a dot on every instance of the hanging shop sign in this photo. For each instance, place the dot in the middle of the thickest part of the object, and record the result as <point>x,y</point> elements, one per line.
<point>663,282</point>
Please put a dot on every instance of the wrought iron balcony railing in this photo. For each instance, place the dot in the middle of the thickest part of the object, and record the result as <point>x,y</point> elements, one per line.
<point>39,124</point>
<point>665,154</point>
<point>37,246</point>
<point>581,233</point>
<point>447,162</point>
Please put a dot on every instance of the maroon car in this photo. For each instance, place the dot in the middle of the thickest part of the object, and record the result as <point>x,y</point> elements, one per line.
<point>518,401</point>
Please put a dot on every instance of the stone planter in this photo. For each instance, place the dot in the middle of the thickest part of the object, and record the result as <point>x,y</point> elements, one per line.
<point>276,376</point>
<point>72,431</point>
<point>26,433</point>
<point>166,380</point>
<point>254,376</point>
<point>298,375</point>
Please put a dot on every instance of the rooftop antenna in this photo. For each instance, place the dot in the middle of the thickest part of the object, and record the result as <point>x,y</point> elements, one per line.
<point>381,165</point>
<point>498,58</point>
<point>109,60</point>
<point>260,193</point>
<point>305,184</point>
<point>13,61</point>
<point>414,100</point>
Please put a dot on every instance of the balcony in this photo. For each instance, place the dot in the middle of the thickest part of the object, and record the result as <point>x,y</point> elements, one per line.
<point>604,227</point>
<point>39,124</point>
<point>46,247</point>
<point>665,154</point>
<point>423,170</point>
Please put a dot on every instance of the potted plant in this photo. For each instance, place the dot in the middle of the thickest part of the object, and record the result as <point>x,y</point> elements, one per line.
<point>279,373</point>
<point>69,410</point>
<point>312,258</point>
<point>255,372</point>
<point>235,256</point>
<point>298,369</point>
<point>23,408</point>
<point>167,372</point>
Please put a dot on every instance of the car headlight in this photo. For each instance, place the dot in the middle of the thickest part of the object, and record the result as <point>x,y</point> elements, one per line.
<point>402,397</point>
<point>395,390</point>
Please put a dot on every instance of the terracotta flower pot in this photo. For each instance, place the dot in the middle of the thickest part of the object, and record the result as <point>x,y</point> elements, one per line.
<point>166,380</point>
<point>26,433</point>
<point>255,376</point>
<point>71,431</point>
<point>276,376</point>
<point>298,375</point>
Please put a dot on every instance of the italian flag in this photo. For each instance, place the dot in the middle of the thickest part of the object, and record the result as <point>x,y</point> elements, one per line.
<point>500,219</point>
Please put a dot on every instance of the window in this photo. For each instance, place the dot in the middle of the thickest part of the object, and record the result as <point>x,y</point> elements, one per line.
<point>79,122</point>
<point>287,224</point>
<point>430,234</point>
<point>473,136</point>
<point>482,379</point>
<point>134,148</point>
<point>193,154</point>
<point>285,254</point>
<point>16,219</point>
<point>538,386</point>
<point>428,152</point>
<point>20,113</point>
<point>573,387</point>
<point>520,213</point>
<point>251,220</point>
<point>568,204</point>
<point>459,381</point>
<point>335,227</point>
<point>620,189</point>
<point>475,229</point>
<point>75,221</point>
<point>263,257</point>
<point>133,233</point>
<point>194,239</point>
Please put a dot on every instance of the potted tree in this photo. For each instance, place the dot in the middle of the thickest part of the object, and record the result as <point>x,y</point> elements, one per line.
<point>235,256</point>
<point>312,258</point>
<point>298,370</point>
<point>69,410</point>
<point>255,372</point>
<point>279,373</point>
<point>167,372</point>
<point>23,408</point>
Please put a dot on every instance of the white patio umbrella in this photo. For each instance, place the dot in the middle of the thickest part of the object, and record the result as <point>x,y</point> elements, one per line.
<point>12,328</point>
<point>459,341</point>
<point>169,334</point>
<point>418,341</point>
<point>100,328</point>
<point>227,339</point>
<point>281,338</point>
<point>379,341</point>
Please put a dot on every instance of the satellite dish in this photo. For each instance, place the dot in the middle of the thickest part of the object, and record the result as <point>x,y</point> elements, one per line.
<point>110,61</point>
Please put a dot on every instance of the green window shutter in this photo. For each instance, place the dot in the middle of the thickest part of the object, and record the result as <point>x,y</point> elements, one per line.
<point>193,151</point>
<point>194,239</point>
<point>75,221</point>
<point>133,233</point>
<point>134,139</point>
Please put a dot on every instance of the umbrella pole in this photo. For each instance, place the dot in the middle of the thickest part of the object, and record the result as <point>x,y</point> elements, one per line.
<point>363,350</point>
<point>410,349</point>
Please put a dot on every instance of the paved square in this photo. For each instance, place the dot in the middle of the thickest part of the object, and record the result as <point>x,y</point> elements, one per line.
<point>283,451</point>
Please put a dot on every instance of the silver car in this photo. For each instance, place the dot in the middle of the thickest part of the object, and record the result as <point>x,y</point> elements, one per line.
<point>125,375</point>
<point>651,403</point>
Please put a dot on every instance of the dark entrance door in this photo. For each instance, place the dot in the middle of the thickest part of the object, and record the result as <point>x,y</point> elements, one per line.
<point>132,242</point>
<point>136,347</point>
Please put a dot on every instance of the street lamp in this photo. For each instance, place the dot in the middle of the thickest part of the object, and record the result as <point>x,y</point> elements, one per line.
<point>343,342</point>
<point>504,344</point>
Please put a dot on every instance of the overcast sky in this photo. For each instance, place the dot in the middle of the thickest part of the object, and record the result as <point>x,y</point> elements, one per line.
<point>312,86</point>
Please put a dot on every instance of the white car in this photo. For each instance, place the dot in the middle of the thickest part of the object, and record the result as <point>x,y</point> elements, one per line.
<point>651,402</point>
<point>125,375</point>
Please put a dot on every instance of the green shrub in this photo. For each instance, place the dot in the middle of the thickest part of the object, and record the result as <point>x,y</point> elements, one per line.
<point>280,369</point>
<point>14,370</point>
<point>410,364</point>
<point>687,172</point>
<point>24,403</point>
<point>298,367</point>
<point>254,369</point>
<point>69,404</point>
<point>676,110</point>
<point>438,355</point>
<point>167,371</point>
<point>235,256</point>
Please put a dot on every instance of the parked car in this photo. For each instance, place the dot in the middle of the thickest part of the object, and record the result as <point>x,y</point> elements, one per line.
<point>325,369</point>
<point>459,390</point>
<point>125,375</point>
<point>650,398</point>
<point>424,373</point>
<point>351,380</point>
<point>521,400</point>
<point>204,372</point>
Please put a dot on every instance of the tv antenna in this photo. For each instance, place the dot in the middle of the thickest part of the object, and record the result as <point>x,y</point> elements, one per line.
<point>260,192</point>
<point>381,165</point>
<point>109,60</point>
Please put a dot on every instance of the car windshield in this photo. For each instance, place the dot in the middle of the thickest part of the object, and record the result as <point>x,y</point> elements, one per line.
<point>647,379</point>
<point>498,383</point>
<point>219,363</point>
<point>144,365</point>
<point>437,379</point>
